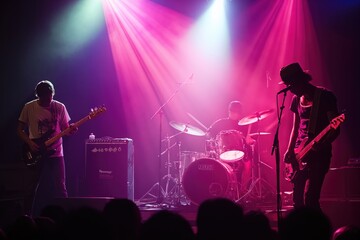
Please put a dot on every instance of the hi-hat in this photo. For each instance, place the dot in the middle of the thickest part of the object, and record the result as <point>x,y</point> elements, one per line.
<point>258,134</point>
<point>187,128</point>
<point>255,117</point>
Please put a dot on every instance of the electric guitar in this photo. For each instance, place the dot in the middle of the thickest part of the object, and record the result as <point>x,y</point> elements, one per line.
<point>32,158</point>
<point>298,163</point>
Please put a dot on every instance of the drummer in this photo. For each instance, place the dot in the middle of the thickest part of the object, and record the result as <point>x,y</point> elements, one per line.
<point>231,122</point>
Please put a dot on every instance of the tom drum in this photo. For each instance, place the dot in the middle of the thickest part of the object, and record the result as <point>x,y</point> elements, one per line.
<point>230,145</point>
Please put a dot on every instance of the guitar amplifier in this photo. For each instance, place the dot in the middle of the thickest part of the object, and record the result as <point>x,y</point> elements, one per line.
<point>109,168</point>
<point>342,183</point>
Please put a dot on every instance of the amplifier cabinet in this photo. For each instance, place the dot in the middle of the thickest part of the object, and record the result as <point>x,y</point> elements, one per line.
<point>109,168</point>
<point>342,183</point>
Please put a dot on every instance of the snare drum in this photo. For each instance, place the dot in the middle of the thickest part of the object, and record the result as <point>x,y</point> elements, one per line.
<point>230,145</point>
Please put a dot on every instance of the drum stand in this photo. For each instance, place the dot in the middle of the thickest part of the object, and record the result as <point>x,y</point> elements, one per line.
<point>161,194</point>
<point>258,184</point>
<point>172,194</point>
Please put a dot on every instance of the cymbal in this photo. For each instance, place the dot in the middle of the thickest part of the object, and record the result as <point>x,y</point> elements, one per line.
<point>187,128</point>
<point>255,117</point>
<point>258,134</point>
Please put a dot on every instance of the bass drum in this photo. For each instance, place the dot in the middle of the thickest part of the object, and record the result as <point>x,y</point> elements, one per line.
<point>186,158</point>
<point>209,178</point>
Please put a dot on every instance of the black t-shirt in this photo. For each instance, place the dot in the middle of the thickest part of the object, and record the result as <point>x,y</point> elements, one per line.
<point>327,110</point>
<point>225,124</point>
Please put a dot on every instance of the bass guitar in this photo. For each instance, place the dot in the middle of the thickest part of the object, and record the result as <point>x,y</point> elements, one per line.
<point>32,158</point>
<point>298,163</point>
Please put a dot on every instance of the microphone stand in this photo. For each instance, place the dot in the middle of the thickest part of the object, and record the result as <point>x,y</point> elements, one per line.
<point>160,112</point>
<point>275,148</point>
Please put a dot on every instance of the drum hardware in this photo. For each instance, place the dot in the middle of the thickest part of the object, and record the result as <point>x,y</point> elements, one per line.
<point>257,182</point>
<point>258,134</point>
<point>170,194</point>
<point>160,112</point>
<point>211,148</point>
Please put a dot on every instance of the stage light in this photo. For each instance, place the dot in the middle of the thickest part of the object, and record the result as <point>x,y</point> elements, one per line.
<point>75,26</point>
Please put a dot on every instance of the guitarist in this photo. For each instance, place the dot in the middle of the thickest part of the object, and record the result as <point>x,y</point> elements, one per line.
<point>313,107</point>
<point>39,120</point>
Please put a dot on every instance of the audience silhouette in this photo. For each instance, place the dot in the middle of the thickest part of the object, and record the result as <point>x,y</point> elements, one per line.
<point>46,228</point>
<point>305,223</point>
<point>3,235</point>
<point>24,227</point>
<point>216,218</point>
<point>257,226</point>
<point>84,223</point>
<point>166,225</point>
<point>348,232</point>
<point>55,212</point>
<point>219,218</point>
<point>124,219</point>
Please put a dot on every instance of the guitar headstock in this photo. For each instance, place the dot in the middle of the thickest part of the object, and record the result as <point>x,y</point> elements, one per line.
<point>335,122</point>
<point>96,111</point>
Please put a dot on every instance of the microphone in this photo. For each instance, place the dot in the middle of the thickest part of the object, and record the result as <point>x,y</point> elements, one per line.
<point>285,89</point>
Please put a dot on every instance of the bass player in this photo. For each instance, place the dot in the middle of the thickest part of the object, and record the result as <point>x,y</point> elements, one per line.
<point>40,119</point>
<point>315,110</point>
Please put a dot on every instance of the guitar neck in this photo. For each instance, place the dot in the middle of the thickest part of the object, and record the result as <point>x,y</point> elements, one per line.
<point>66,131</point>
<point>308,146</point>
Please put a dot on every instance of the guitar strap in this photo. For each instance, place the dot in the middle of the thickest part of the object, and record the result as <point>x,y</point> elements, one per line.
<point>314,112</point>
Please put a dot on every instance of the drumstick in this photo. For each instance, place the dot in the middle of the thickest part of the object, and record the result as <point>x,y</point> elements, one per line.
<point>196,120</point>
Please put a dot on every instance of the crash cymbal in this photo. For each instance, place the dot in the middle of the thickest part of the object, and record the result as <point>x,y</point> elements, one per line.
<point>258,134</point>
<point>255,117</point>
<point>187,128</point>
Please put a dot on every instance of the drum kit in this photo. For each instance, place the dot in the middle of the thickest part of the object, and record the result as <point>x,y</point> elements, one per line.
<point>199,176</point>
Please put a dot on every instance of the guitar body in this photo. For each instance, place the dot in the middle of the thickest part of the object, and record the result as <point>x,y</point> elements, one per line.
<point>32,158</point>
<point>45,142</point>
<point>296,162</point>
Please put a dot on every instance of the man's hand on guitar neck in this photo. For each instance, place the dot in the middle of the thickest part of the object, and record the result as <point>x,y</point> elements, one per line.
<point>72,129</point>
